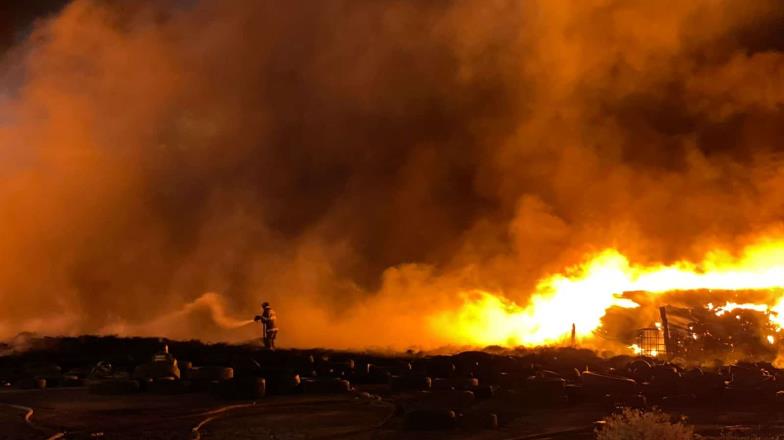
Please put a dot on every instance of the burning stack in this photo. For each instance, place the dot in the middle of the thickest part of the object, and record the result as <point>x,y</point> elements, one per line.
<point>730,332</point>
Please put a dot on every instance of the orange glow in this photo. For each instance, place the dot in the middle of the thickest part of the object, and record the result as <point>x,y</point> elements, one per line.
<point>730,306</point>
<point>583,294</point>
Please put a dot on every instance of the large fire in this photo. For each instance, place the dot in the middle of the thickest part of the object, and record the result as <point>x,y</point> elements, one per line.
<point>583,294</point>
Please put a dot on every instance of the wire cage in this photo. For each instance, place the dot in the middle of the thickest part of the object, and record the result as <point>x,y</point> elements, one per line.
<point>651,342</point>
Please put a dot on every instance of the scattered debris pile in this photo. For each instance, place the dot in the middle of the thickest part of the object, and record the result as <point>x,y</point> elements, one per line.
<point>470,390</point>
<point>700,335</point>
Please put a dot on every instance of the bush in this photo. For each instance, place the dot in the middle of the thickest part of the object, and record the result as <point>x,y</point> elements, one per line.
<point>633,424</point>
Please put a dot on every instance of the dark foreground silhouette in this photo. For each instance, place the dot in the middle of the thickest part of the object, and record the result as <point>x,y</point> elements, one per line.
<point>89,387</point>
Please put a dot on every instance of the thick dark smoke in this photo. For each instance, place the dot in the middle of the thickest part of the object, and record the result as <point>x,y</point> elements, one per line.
<point>17,18</point>
<point>359,163</point>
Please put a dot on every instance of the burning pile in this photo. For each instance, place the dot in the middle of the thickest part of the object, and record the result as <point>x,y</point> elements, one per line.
<point>595,295</point>
<point>730,332</point>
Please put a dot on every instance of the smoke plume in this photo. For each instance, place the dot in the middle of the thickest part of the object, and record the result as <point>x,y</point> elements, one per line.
<point>359,164</point>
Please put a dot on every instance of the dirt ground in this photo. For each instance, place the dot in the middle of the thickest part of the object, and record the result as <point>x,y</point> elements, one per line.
<point>75,414</point>
<point>80,415</point>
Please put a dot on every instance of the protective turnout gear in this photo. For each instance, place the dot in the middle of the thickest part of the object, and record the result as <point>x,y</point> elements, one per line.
<point>267,319</point>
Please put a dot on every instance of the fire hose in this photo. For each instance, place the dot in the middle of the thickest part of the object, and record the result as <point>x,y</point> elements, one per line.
<point>214,414</point>
<point>28,418</point>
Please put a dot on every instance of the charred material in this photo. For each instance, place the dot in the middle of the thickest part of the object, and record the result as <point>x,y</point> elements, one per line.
<point>705,335</point>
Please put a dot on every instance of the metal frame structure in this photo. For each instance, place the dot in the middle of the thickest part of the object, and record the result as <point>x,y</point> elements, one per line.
<point>651,342</point>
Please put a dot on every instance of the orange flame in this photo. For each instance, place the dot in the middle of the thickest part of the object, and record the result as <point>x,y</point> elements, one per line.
<point>583,294</point>
<point>730,306</point>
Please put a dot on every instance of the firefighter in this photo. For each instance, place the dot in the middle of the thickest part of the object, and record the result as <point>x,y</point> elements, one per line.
<point>270,330</point>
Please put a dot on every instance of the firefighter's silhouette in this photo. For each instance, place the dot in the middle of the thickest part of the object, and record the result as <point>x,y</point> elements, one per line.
<point>270,330</point>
